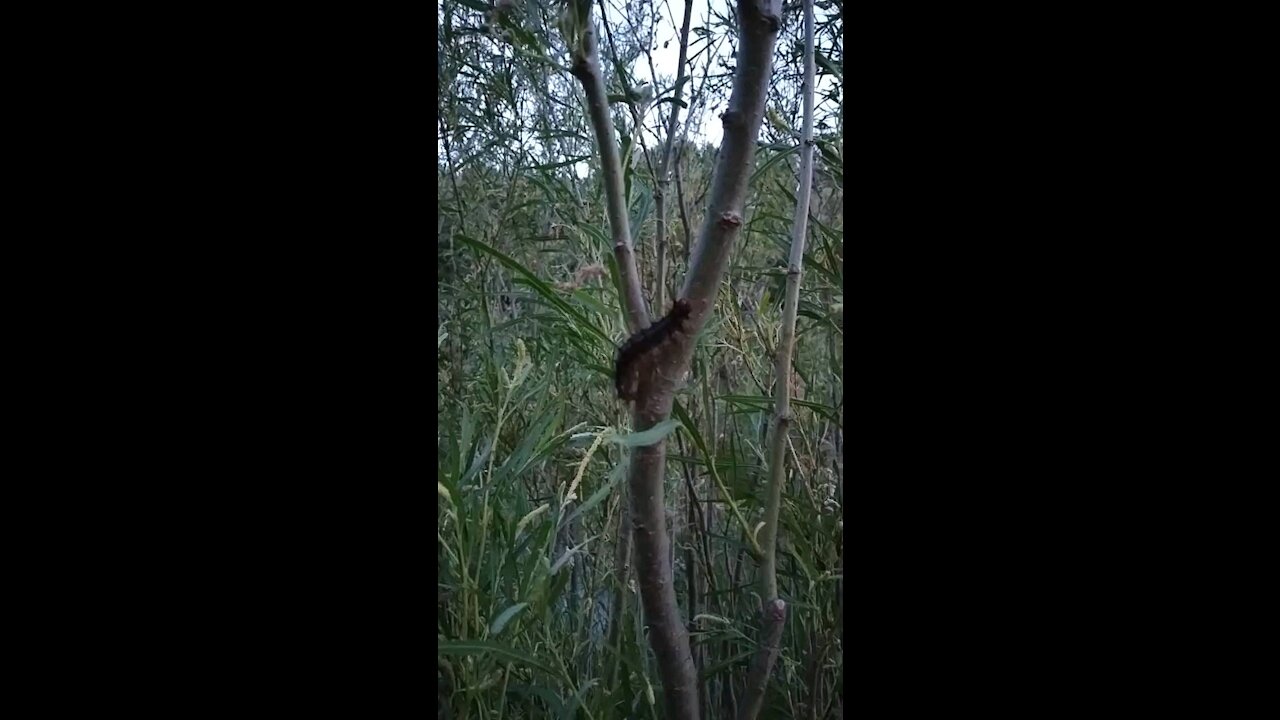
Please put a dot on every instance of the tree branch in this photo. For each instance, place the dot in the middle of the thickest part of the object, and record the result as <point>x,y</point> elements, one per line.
<point>664,165</point>
<point>773,614</point>
<point>774,617</point>
<point>668,635</point>
<point>659,379</point>
<point>756,37</point>
<point>585,54</point>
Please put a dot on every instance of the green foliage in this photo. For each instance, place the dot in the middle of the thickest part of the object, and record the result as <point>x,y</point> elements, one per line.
<point>536,618</point>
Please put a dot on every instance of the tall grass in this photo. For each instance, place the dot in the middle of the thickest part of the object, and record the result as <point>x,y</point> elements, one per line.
<point>537,615</point>
<point>532,455</point>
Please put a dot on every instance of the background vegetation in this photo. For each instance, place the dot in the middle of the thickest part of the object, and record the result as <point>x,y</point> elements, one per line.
<point>538,615</point>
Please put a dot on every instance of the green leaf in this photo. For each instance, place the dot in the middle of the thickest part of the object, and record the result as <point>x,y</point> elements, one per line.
<point>828,65</point>
<point>824,410</point>
<point>521,37</point>
<point>774,160</point>
<point>538,432</point>
<point>553,443</point>
<point>464,443</point>
<point>804,565</point>
<point>553,702</point>
<point>753,402</point>
<point>611,261</point>
<point>484,647</point>
<point>720,667</point>
<point>569,554</point>
<point>476,464</point>
<point>550,589</point>
<point>647,437</point>
<point>562,163</point>
<point>572,709</point>
<point>546,291</point>
<point>829,156</point>
<point>640,209</point>
<point>505,617</point>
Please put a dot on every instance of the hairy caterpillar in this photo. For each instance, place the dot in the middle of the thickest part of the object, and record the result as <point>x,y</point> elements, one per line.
<point>641,344</point>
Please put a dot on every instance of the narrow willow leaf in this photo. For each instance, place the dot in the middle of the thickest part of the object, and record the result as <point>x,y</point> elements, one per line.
<point>572,709</point>
<point>567,555</point>
<point>503,652</point>
<point>759,402</point>
<point>824,410</point>
<point>826,63</point>
<point>725,665</point>
<point>549,590</point>
<point>777,158</point>
<point>562,163</point>
<point>554,705</point>
<point>530,517</point>
<point>464,442</point>
<point>505,617</point>
<point>804,565</point>
<point>541,287</point>
<point>647,437</point>
<point>691,428</point>
<point>641,206</point>
<point>478,463</point>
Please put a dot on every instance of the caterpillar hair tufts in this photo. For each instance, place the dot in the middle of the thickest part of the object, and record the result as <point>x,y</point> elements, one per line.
<point>643,343</point>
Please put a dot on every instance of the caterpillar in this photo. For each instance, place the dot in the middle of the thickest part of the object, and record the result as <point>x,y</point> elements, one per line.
<point>642,343</point>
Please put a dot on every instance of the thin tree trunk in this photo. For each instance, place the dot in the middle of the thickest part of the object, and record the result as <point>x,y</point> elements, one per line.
<point>757,36</point>
<point>774,612</point>
<point>651,550</point>
<point>664,165</point>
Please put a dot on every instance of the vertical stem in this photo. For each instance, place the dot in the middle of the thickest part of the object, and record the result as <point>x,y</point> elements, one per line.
<point>586,67</point>
<point>664,165</point>
<point>758,30</point>
<point>667,633</point>
<point>684,215</point>
<point>774,612</point>
<point>622,573</point>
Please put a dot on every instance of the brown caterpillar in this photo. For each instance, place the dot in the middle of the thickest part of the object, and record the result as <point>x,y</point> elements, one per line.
<point>638,346</point>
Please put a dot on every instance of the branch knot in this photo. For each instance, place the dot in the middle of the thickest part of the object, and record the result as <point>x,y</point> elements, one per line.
<point>732,119</point>
<point>730,218</point>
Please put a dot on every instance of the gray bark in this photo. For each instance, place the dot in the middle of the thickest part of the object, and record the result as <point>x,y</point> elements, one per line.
<point>757,35</point>
<point>773,614</point>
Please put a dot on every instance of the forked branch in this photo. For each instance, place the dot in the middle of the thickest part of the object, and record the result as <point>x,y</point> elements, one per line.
<point>658,380</point>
